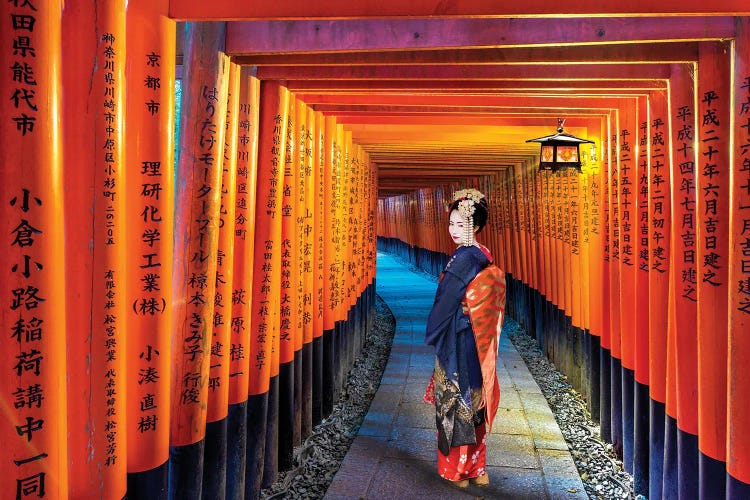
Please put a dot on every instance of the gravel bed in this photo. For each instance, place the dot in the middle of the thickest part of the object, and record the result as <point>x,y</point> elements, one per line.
<point>320,456</point>
<point>601,471</point>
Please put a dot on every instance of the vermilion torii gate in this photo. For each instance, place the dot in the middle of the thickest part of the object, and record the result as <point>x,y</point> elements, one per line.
<point>176,327</point>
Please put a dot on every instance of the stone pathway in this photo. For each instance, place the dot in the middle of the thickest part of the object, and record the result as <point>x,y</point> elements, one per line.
<point>395,452</point>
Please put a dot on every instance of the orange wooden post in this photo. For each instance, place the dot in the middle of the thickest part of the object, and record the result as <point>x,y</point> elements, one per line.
<point>641,164</point>
<point>659,262</point>
<point>605,354</point>
<point>566,256</point>
<point>329,265</point>
<point>306,242</point>
<point>94,163</point>
<point>289,299</point>
<point>264,314</point>
<point>514,188</point>
<point>150,119</point>
<point>319,274</point>
<point>271,459</point>
<point>540,306</point>
<point>34,430</point>
<point>615,297</point>
<point>242,281</point>
<point>563,271</point>
<point>533,210</point>
<point>579,244</point>
<point>553,277</point>
<point>738,444</point>
<point>355,263</point>
<point>345,241</point>
<point>523,223</point>
<point>576,258</point>
<point>639,400</point>
<point>712,209</point>
<point>681,405</point>
<point>628,227</point>
<point>339,242</point>
<point>215,448</point>
<point>585,241</point>
<point>592,292</point>
<point>596,295</point>
<point>197,218</point>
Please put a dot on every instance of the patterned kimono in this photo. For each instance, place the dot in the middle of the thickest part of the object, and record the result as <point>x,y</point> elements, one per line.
<point>464,327</point>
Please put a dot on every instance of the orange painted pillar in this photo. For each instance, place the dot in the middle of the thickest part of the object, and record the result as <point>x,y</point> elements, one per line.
<point>576,278</point>
<point>271,459</point>
<point>628,226</point>
<point>681,406</point>
<point>570,215</point>
<point>548,240</point>
<point>615,294</point>
<point>238,349</point>
<point>197,219</point>
<point>354,221</point>
<point>215,448</point>
<point>659,243</point>
<point>339,242</point>
<point>584,221</point>
<point>330,287</point>
<point>306,285</point>
<point>563,273</point>
<point>597,292</point>
<point>94,164</point>
<point>264,312</point>
<point>319,273</point>
<point>638,384</point>
<point>289,299</point>
<point>641,246</point>
<point>659,261</point>
<point>499,220</point>
<point>605,353</point>
<point>592,292</point>
<point>34,430</point>
<point>345,334</point>
<point>738,444</point>
<point>150,210</point>
<point>712,209</point>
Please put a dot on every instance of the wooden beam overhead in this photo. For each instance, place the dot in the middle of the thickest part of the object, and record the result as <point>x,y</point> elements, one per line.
<point>200,10</point>
<point>550,71</point>
<point>468,86</point>
<point>666,52</point>
<point>450,101</point>
<point>519,120</point>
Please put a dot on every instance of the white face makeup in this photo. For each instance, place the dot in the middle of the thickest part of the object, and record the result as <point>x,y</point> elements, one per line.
<point>457,228</point>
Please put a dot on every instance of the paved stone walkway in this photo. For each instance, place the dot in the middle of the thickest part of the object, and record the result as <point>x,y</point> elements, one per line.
<point>394,455</point>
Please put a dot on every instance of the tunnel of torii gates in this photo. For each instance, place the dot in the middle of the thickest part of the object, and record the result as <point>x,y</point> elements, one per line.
<point>179,310</point>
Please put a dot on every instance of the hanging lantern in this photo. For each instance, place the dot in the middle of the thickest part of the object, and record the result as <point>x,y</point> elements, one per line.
<point>560,150</point>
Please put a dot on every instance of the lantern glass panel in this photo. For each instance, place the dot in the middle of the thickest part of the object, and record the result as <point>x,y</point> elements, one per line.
<point>548,153</point>
<point>567,154</point>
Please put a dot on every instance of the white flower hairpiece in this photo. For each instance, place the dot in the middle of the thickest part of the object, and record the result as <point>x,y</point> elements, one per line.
<point>468,194</point>
<point>466,208</point>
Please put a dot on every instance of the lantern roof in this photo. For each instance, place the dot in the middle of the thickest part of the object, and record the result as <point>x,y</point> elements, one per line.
<point>561,138</point>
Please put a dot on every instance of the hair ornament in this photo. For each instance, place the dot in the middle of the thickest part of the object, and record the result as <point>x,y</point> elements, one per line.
<point>467,199</point>
<point>468,194</point>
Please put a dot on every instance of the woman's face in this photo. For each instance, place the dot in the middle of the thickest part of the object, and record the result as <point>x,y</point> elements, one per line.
<point>457,228</point>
